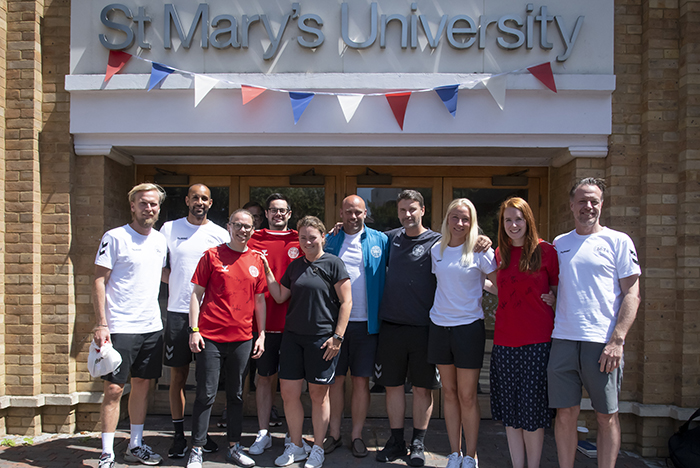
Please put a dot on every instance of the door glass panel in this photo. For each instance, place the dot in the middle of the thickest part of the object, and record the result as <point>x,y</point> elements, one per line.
<point>487,202</point>
<point>174,205</point>
<point>381,206</point>
<point>304,200</point>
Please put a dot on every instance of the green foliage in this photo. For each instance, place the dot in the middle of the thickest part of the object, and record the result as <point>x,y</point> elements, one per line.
<point>28,441</point>
<point>8,443</point>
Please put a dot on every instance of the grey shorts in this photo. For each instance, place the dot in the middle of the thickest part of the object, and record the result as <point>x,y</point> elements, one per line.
<point>574,364</point>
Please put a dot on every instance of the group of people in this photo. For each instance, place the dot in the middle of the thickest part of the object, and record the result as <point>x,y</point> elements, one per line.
<point>308,306</point>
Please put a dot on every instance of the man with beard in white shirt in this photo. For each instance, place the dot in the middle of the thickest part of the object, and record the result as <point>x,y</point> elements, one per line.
<point>128,268</point>
<point>188,238</point>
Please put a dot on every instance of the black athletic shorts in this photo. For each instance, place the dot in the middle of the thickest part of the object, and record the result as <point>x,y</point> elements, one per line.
<point>402,351</point>
<point>177,340</point>
<point>301,357</point>
<point>358,351</point>
<point>462,346</point>
<point>268,364</point>
<point>142,355</point>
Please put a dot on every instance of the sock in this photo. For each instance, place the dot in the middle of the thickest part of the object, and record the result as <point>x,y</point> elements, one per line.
<point>419,434</point>
<point>179,426</point>
<point>108,442</point>
<point>397,434</point>
<point>136,435</point>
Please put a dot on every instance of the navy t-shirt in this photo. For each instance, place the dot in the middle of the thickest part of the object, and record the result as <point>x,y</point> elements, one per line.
<point>409,289</point>
<point>312,308</point>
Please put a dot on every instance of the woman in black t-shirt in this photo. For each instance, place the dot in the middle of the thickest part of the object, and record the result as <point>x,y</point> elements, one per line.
<point>318,288</point>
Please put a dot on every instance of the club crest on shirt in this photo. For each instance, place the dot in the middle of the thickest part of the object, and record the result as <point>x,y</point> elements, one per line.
<point>418,250</point>
<point>253,270</point>
<point>376,251</point>
<point>601,249</point>
<point>293,252</point>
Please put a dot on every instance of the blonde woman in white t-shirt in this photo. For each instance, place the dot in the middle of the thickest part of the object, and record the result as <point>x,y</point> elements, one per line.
<point>457,337</point>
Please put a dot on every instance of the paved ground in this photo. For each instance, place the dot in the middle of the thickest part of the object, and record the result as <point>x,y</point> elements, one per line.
<point>84,449</point>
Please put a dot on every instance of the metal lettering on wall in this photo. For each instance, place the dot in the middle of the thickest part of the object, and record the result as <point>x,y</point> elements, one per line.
<point>528,28</point>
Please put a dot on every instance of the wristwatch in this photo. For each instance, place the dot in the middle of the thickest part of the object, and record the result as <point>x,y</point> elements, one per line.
<point>191,330</point>
<point>338,337</point>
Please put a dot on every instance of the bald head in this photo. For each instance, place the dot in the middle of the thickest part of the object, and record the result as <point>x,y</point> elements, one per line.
<point>352,214</point>
<point>198,201</point>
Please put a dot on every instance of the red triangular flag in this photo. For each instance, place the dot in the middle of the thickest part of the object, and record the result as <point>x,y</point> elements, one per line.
<point>398,103</point>
<point>117,60</point>
<point>543,72</point>
<point>250,92</point>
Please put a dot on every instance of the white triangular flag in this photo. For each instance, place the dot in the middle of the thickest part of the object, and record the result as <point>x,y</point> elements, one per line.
<point>497,87</point>
<point>349,104</point>
<point>202,85</point>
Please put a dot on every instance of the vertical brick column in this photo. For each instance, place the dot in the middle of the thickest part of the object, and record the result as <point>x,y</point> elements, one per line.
<point>688,272</point>
<point>57,271</point>
<point>23,209</point>
<point>659,196</point>
<point>3,74</point>
<point>623,173</point>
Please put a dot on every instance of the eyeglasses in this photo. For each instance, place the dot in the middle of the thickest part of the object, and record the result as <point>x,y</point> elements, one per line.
<point>241,226</point>
<point>282,211</point>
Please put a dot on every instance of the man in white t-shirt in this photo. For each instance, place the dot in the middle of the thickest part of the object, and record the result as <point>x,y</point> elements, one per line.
<point>187,240</point>
<point>128,268</point>
<point>597,303</point>
<point>364,252</point>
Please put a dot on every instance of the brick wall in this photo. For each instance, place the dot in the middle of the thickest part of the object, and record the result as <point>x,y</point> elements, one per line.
<point>3,74</point>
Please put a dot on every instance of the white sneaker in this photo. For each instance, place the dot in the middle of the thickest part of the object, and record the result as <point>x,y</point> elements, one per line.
<point>195,460</point>
<point>288,440</point>
<point>292,453</point>
<point>316,458</point>
<point>454,460</point>
<point>263,441</point>
<point>469,462</point>
<point>236,456</point>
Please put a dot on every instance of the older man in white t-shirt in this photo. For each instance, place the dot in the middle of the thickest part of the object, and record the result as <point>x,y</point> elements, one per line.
<point>128,268</point>
<point>597,303</point>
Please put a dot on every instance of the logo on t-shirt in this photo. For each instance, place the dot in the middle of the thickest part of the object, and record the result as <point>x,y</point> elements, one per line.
<point>418,250</point>
<point>293,252</point>
<point>224,268</point>
<point>103,248</point>
<point>601,249</point>
<point>253,270</point>
<point>376,251</point>
<point>633,254</point>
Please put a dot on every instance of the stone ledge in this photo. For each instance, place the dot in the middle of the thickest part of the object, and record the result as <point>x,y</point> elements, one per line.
<point>648,411</point>
<point>69,399</point>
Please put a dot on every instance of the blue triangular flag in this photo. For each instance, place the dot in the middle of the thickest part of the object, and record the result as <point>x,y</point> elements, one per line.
<point>158,74</point>
<point>299,103</point>
<point>448,94</point>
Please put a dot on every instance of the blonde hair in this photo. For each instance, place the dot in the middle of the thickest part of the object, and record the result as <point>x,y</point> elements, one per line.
<point>147,187</point>
<point>472,235</point>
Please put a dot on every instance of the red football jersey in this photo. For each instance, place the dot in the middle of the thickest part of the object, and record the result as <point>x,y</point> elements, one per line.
<point>230,280</point>
<point>281,249</point>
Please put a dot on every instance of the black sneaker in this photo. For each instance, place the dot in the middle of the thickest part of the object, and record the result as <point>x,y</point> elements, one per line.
<point>210,446</point>
<point>179,447</point>
<point>392,450</point>
<point>417,457</point>
<point>274,417</point>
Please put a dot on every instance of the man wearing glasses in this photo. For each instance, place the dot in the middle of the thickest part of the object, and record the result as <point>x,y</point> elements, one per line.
<point>229,286</point>
<point>281,246</point>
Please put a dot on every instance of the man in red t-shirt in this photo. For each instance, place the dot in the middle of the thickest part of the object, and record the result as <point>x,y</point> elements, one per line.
<point>281,246</point>
<point>230,279</point>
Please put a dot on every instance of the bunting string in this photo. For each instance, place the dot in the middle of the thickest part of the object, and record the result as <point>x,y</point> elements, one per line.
<point>349,102</point>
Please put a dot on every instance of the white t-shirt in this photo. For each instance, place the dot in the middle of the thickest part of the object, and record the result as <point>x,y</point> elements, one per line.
<point>351,254</point>
<point>459,288</point>
<point>589,295</point>
<point>136,262</point>
<point>186,244</point>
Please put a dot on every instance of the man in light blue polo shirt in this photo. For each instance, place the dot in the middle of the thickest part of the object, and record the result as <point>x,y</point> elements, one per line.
<point>364,252</point>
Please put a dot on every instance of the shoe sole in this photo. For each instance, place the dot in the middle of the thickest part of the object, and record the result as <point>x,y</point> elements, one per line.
<point>416,462</point>
<point>386,459</point>
<point>135,459</point>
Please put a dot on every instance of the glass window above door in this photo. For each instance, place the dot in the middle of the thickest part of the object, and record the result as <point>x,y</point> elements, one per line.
<point>382,213</point>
